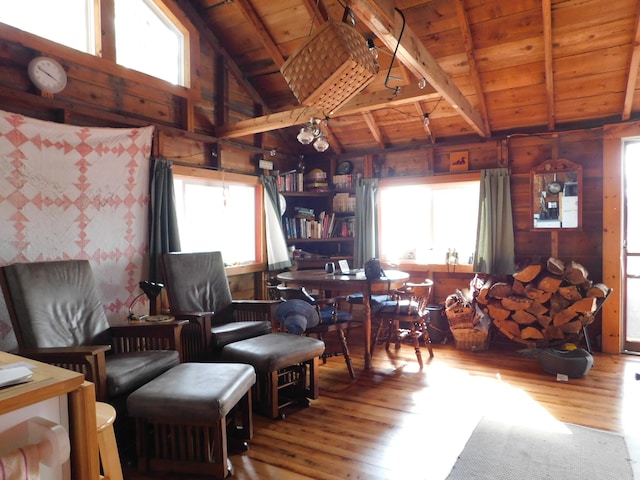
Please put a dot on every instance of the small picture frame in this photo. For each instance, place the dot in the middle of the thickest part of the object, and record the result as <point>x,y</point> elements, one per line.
<point>458,161</point>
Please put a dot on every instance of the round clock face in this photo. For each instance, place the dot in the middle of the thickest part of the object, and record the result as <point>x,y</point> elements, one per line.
<point>47,74</point>
<point>344,167</point>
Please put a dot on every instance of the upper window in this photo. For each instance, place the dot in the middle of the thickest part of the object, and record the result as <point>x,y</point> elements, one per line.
<point>216,215</point>
<point>148,41</point>
<point>148,38</point>
<point>439,218</point>
<point>71,26</point>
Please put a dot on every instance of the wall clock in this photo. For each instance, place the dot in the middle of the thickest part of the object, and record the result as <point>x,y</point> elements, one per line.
<point>344,167</point>
<point>47,74</point>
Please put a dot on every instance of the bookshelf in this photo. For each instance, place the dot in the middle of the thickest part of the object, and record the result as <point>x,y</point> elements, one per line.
<point>320,216</point>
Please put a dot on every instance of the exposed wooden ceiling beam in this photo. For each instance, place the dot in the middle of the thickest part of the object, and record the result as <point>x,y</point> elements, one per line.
<point>317,11</point>
<point>465,30</point>
<point>258,26</point>
<point>632,74</point>
<point>548,63</point>
<point>373,128</point>
<point>364,102</point>
<point>413,53</point>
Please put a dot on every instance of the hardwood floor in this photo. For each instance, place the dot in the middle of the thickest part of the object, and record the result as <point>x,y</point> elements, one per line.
<point>396,422</point>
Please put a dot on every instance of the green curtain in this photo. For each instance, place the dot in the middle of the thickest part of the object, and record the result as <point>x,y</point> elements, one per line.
<point>277,252</point>
<point>494,242</point>
<point>163,236</point>
<point>366,223</point>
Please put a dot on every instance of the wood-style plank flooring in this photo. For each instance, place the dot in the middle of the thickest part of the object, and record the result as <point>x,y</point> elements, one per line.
<point>395,421</point>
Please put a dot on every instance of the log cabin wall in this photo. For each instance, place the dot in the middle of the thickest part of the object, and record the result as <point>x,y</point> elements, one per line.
<point>99,92</point>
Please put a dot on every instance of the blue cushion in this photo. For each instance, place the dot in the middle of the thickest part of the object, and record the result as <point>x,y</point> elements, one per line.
<point>406,307</point>
<point>357,299</point>
<point>326,315</point>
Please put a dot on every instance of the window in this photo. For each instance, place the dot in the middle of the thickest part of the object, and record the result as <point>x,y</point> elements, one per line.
<point>71,25</point>
<point>420,223</point>
<point>218,215</point>
<point>148,38</point>
<point>148,41</point>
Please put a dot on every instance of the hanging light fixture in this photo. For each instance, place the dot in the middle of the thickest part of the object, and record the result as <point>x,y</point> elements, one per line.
<point>425,120</point>
<point>311,133</point>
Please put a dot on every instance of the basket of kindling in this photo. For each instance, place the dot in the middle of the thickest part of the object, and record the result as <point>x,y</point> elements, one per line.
<point>469,326</point>
<point>332,66</point>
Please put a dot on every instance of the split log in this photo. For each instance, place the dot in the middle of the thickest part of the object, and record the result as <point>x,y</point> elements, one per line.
<point>598,290</point>
<point>518,288</point>
<point>513,302</point>
<point>497,312</point>
<point>509,328</point>
<point>534,293</point>
<point>564,316</point>
<point>500,290</point>
<point>544,320</point>
<point>553,333</point>
<point>575,273</point>
<point>522,317</point>
<point>549,283</point>
<point>555,266</point>
<point>570,292</point>
<point>531,333</point>
<point>572,327</point>
<point>558,303</point>
<point>537,309</point>
<point>528,273</point>
<point>584,305</point>
<point>483,296</point>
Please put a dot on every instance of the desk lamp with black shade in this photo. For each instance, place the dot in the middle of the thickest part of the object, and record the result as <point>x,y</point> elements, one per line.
<point>151,290</point>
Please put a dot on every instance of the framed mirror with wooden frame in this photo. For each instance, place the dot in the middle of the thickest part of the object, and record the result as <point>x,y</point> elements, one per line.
<point>556,195</point>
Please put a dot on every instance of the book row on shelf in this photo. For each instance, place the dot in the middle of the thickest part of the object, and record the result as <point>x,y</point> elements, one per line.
<point>327,225</point>
<point>314,181</point>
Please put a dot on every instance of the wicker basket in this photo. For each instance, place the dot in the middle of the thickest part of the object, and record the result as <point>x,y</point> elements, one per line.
<point>331,67</point>
<point>470,339</point>
<point>460,317</point>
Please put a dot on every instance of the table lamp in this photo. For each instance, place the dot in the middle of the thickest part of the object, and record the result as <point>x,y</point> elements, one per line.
<point>151,290</point>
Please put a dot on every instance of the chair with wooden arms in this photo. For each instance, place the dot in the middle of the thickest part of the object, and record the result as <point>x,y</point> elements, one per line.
<point>198,290</point>
<point>58,318</point>
<point>331,320</point>
<point>406,316</point>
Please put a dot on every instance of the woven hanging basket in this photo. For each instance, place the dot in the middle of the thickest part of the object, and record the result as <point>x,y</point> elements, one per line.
<point>331,67</point>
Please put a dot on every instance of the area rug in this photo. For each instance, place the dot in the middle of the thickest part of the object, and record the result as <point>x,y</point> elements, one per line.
<point>499,450</point>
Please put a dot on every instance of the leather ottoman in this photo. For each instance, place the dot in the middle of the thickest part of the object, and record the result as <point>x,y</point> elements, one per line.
<point>286,368</point>
<point>182,417</point>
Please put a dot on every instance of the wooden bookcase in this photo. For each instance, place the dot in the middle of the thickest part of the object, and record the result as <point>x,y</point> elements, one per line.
<point>319,218</point>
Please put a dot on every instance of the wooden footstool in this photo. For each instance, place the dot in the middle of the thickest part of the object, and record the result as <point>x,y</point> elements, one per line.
<point>286,368</point>
<point>182,417</point>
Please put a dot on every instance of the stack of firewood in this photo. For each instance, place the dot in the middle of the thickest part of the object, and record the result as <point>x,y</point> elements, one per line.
<point>545,304</point>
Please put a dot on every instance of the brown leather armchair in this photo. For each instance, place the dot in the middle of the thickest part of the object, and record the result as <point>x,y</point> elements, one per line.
<point>58,318</point>
<point>198,290</point>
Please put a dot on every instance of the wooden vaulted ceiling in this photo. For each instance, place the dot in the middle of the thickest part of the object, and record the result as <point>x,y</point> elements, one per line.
<point>493,67</point>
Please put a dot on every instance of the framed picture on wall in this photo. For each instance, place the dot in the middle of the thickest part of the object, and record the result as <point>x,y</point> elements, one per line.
<point>458,161</point>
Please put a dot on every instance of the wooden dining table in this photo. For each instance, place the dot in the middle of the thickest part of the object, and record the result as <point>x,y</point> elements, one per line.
<point>336,282</point>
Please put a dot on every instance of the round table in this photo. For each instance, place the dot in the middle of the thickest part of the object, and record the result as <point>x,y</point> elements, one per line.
<point>358,283</point>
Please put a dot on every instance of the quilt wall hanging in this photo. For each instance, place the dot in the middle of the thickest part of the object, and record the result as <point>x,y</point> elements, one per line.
<point>72,192</point>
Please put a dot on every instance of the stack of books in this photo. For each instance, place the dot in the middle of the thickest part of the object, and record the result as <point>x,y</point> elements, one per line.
<point>316,181</point>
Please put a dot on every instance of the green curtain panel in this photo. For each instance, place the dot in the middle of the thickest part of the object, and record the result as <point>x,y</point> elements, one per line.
<point>366,223</point>
<point>277,252</point>
<point>163,235</point>
<point>494,242</point>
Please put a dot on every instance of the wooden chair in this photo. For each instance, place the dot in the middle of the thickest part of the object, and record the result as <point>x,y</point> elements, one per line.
<point>406,316</point>
<point>332,321</point>
<point>58,318</point>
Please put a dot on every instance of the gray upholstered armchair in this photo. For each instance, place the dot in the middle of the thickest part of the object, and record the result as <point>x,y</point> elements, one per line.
<point>198,290</point>
<point>58,318</point>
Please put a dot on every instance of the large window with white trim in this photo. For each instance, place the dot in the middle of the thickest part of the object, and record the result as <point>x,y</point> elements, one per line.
<point>424,223</point>
<point>148,38</point>
<point>220,215</point>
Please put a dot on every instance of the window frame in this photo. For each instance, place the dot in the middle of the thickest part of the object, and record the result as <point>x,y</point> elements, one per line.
<point>105,48</point>
<point>412,264</point>
<point>248,180</point>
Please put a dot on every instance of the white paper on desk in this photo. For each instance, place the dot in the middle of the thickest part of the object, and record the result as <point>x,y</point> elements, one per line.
<point>13,376</point>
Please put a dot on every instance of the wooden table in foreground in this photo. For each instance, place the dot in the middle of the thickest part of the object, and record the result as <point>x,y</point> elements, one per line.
<point>348,284</point>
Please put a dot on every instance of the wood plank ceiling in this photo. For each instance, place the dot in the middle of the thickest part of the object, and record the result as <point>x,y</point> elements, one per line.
<point>493,67</point>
